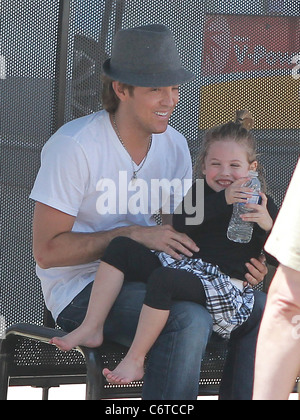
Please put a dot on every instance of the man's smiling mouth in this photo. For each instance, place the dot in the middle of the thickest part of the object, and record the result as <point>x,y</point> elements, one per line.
<point>162,114</point>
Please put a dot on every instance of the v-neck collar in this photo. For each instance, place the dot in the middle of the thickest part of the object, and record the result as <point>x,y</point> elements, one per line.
<point>116,141</point>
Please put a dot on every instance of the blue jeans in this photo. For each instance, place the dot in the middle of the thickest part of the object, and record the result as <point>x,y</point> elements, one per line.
<point>174,363</point>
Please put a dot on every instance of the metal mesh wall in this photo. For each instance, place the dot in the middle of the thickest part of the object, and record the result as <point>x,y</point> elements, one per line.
<point>31,82</point>
<point>28,45</point>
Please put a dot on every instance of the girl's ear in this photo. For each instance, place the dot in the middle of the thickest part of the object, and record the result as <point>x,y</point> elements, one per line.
<point>203,170</point>
<point>253,166</point>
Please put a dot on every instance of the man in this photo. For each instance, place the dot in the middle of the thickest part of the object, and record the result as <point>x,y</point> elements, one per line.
<point>87,194</point>
<point>278,348</point>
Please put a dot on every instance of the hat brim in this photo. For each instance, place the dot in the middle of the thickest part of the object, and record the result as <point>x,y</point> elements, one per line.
<point>169,78</point>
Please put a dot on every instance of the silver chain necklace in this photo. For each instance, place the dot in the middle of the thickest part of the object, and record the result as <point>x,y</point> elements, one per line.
<point>135,171</point>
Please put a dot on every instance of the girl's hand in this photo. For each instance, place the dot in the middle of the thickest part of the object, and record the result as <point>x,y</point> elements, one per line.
<point>235,193</point>
<point>259,214</point>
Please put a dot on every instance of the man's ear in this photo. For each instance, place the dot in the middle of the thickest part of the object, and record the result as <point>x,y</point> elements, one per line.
<point>120,90</point>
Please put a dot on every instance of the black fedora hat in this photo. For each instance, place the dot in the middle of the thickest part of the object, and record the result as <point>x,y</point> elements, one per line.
<point>146,56</point>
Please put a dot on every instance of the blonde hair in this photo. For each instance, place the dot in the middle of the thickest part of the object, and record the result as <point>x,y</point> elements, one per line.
<point>240,132</point>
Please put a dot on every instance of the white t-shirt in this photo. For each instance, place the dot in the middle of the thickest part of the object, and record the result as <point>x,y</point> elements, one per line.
<point>86,172</point>
<point>284,241</point>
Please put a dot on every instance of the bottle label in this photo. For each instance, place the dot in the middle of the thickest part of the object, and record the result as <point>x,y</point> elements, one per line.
<point>253,199</point>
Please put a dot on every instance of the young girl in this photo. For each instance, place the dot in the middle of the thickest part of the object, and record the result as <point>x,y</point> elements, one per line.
<point>228,153</point>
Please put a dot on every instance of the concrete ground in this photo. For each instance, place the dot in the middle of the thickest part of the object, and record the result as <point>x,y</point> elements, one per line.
<point>67,392</point>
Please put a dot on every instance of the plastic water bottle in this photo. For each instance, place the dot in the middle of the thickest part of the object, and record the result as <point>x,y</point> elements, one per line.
<point>239,230</point>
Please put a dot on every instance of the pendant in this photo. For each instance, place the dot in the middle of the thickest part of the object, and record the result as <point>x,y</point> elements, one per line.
<point>134,176</point>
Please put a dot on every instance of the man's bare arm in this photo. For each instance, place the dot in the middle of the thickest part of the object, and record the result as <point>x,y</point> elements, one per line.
<point>55,245</point>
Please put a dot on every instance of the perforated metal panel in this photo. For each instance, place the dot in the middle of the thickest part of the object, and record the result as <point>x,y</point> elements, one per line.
<point>28,50</point>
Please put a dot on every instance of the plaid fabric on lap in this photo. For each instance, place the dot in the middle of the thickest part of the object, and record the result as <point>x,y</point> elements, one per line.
<point>228,305</point>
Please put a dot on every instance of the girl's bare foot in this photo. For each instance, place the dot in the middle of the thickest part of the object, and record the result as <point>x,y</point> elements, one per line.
<point>82,336</point>
<point>127,371</point>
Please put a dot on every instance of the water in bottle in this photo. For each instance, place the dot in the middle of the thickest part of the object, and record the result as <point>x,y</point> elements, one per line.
<point>239,230</point>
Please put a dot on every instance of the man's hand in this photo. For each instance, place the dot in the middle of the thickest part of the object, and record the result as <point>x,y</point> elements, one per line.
<point>165,239</point>
<point>257,270</point>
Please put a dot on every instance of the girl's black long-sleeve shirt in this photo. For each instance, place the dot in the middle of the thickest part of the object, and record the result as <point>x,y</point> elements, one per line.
<point>211,235</point>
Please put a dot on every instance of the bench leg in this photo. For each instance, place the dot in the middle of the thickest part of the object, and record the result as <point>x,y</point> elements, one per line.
<point>94,377</point>
<point>4,380</point>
